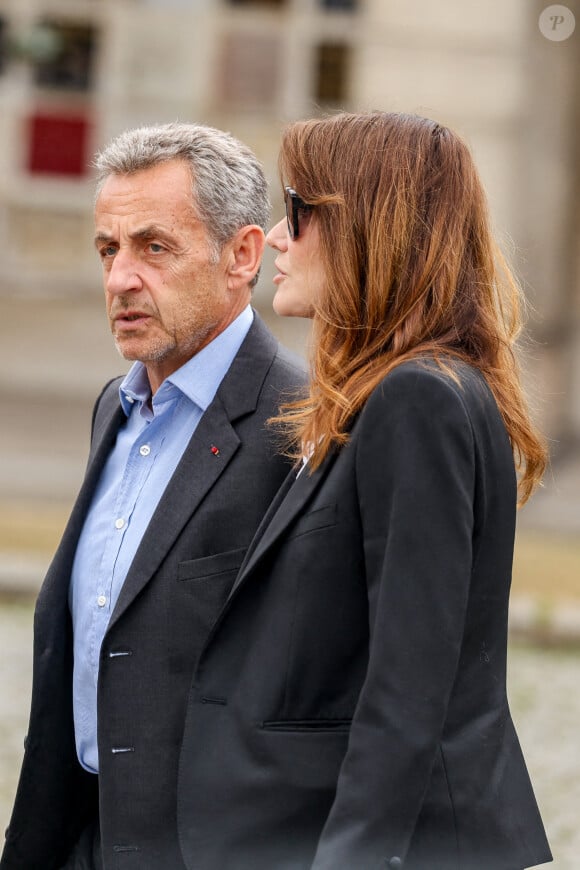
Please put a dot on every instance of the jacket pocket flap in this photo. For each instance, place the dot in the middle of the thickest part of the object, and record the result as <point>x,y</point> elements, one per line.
<point>319,518</point>
<point>307,725</point>
<point>206,566</point>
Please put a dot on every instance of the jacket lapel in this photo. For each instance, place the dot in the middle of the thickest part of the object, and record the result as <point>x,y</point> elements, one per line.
<point>287,484</point>
<point>289,502</point>
<point>196,473</point>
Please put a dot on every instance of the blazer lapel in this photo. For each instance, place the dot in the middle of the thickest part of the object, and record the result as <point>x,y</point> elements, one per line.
<point>289,502</point>
<point>197,471</point>
<point>287,484</point>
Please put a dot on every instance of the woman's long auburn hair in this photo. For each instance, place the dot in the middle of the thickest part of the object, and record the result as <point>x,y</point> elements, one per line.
<point>412,270</point>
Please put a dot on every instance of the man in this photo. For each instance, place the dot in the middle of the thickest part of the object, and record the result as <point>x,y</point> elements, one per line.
<point>182,467</point>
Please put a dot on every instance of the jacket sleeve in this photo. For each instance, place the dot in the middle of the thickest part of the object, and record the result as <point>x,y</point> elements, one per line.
<point>415,467</point>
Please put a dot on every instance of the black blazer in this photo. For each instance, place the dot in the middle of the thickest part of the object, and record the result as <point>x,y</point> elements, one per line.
<point>176,587</point>
<point>349,709</point>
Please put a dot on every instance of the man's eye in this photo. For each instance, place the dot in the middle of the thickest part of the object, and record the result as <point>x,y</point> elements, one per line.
<point>108,251</point>
<point>156,248</point>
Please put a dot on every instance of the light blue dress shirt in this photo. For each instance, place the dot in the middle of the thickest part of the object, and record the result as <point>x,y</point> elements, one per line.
<point>146,453</point>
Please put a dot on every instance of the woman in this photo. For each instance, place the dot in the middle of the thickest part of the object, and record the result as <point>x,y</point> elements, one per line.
<point>361,717</point>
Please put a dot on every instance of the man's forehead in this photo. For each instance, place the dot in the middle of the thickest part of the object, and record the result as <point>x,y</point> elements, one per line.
<point>142,210</point>
<point>152,187</point>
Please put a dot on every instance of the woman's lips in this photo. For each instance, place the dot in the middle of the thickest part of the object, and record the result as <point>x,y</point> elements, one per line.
<point>280,276</point>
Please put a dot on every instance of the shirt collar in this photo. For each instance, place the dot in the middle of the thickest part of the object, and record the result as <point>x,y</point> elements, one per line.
<point>198,379</point>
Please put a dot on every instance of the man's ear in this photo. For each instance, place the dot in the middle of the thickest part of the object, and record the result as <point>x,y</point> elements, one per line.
<point>245,256</point>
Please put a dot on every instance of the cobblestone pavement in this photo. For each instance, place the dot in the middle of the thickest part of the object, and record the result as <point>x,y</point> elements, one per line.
<point>544,697</point>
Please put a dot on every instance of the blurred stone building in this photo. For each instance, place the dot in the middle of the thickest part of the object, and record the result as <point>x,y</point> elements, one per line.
<point>75,72</point>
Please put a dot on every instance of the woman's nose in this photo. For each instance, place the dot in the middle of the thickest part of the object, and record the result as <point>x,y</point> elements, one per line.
<point>278,236</point>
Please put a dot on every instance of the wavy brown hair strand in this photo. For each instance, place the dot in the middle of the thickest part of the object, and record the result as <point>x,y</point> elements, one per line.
<point>412,270</point>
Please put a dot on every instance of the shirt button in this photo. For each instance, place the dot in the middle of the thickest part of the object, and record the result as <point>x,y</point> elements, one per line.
<point>101,600</point>
<point>145,450</point>
<point>119,523</point>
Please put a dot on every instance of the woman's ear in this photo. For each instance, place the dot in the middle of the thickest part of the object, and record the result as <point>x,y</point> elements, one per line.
<point>246,251</point>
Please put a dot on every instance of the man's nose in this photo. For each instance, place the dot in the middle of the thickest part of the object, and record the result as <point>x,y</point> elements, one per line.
<point>123,274</point>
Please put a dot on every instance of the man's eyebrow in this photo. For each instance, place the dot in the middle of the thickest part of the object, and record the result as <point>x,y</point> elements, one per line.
<point>151,231</point>
<point>103,238</point>
<point>143,234</point>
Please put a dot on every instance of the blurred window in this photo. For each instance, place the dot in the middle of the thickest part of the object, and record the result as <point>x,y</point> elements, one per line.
<point>249,70</point>
<point>58,144</point>
<point>347,5</point>
<point>65,55</point>
<point>332,72</point>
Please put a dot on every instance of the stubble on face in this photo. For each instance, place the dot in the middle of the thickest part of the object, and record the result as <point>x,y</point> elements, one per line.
<point>162,338</point>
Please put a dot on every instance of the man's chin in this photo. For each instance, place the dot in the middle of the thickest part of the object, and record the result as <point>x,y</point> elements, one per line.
<point>126,351</point>
<point>133,350</point>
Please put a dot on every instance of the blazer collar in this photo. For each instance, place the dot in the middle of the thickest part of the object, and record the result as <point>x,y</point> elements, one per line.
<point>240,389</point>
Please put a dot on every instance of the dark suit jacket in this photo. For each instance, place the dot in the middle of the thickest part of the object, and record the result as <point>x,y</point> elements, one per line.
<point>349,708</point>
<point>176,587</point>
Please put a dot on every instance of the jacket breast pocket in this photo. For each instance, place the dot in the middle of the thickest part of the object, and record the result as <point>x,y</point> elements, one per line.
<point>320,518</point>
<point>211,566</point>
<point>195,602</point>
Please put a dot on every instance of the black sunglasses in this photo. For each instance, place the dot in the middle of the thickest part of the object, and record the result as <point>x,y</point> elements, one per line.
<point>296,210</point>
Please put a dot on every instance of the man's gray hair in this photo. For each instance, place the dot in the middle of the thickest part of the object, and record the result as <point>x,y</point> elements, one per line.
<point>228,183</point>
